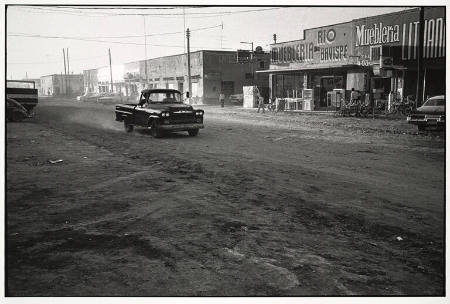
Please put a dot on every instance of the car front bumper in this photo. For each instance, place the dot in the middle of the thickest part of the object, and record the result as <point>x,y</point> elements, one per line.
<point>426,121</point>
<point>181,127</point>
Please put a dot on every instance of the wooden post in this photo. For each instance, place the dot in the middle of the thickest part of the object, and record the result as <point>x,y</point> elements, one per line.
<point>419,58</point>
<point>189,62</point>
<point>110,69</point>
<point>63,80</point>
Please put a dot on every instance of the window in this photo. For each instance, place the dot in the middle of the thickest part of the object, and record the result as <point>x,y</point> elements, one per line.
<point>261,64</point>
<point>375,53</point>
<point>435,102</point>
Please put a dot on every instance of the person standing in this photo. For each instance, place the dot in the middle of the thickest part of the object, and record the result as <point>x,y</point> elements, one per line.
<point>261,103</point>
<point>222,99</point>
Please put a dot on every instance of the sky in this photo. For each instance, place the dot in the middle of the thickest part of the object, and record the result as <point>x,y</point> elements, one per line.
<point>36,35</point>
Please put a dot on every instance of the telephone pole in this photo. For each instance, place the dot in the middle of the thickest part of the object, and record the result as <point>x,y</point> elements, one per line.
<point>145,49</point>
<point>110,69</point>
<point>68,72</point>
<point>63,80</point>
<point>188,34</point>
<point>184,28</point>
<point>419,89</point>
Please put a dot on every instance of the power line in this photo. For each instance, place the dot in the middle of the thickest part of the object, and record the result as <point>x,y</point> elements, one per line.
<point>94,40</point>
<point>56,61</point>
<point>80,12</point>
<point>127,36</point>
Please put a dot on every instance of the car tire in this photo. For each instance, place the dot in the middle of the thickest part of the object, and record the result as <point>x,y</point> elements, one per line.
<point>193,132</point>
<point>155,131</point>
<point>128,127</point>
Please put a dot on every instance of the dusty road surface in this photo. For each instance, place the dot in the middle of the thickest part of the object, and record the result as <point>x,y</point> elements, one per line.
<point>257,204</point>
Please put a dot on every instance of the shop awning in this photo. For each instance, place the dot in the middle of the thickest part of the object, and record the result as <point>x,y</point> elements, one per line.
<point>310,68</point>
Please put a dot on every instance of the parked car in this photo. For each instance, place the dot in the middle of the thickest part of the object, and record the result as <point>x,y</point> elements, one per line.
<point>88,97</point>
<point>21,99</point>
<point>430,115</point>
<point>160,110</point>
<point>15,111</point>
<point>110,97</point>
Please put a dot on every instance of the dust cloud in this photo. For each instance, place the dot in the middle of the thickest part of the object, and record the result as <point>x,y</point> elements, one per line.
<point>97,118</point>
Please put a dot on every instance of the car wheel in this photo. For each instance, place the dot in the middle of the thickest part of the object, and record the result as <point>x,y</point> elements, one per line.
<point>155,131</point>
<point>128,128</point>
<point>193,132</point>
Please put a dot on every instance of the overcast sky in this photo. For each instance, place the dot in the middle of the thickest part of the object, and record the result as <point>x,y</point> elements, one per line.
<point>41,55</point>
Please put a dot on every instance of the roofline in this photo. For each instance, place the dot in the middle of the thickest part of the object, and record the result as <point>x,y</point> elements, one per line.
<point>388,14</point>
<point>61,75</point>
<point>351,21</point>
<point>143,60</point>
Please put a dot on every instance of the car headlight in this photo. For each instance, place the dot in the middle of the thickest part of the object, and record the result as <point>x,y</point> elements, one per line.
<point>199,113</point>
<point>165,114</point>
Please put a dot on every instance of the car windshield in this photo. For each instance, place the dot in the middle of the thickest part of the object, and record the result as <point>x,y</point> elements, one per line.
<point>165,97</point>
<point>434,102</point>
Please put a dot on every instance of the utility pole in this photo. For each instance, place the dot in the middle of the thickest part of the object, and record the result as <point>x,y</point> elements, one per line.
<point>110,69</point>
<point>68,72</point>
<point>419,89</point>
<point>145,49</point>
<point>184,28</point>
<point>63,80</point>
<point>221,35</point>
<point>274,38</point>
<point>188,34</point>
<point>67,54</point>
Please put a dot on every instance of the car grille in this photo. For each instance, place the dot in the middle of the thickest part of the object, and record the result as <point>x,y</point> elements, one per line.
<point>182,118</point>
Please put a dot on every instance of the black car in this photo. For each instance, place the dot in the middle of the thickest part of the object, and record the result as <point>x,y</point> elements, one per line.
<point>160,110</point>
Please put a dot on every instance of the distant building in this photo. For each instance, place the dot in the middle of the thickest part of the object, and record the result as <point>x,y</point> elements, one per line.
<point>212,72</point>
<point>62,85</point>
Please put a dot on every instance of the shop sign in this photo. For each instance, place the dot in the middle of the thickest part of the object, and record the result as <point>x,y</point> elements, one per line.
<point>402,30</point>
<point>327,44</point>
<point>386,62</point>
<point>433,39</point>
<point>377,34</point>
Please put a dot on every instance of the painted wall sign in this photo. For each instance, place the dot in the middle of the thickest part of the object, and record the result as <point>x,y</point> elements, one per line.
<point>328,44</point>
<point>377,34</point>
<point>400,31</point>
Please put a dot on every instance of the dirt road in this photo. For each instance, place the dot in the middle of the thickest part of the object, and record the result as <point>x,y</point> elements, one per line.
<point>257,204</point>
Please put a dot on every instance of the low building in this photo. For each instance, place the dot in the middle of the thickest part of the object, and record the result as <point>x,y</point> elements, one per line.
<point>61,85</point>
<point>375,55</point>
<point>212,72</point>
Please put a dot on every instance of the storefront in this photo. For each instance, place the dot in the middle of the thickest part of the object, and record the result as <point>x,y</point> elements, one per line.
<point>316,65</point>
<point>376,56</point>
<point>387,45</point>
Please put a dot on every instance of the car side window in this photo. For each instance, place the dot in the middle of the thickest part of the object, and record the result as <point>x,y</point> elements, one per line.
<point>440,102</point>
<point>142,100</point>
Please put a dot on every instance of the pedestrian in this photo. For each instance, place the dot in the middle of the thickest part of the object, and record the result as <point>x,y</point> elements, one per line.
<point>222,99</point>
<point>354,98</point>
<point>261,103</point>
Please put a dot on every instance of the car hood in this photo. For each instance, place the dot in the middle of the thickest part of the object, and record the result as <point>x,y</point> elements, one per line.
<point>431,110</point>
<point>172,107</point>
